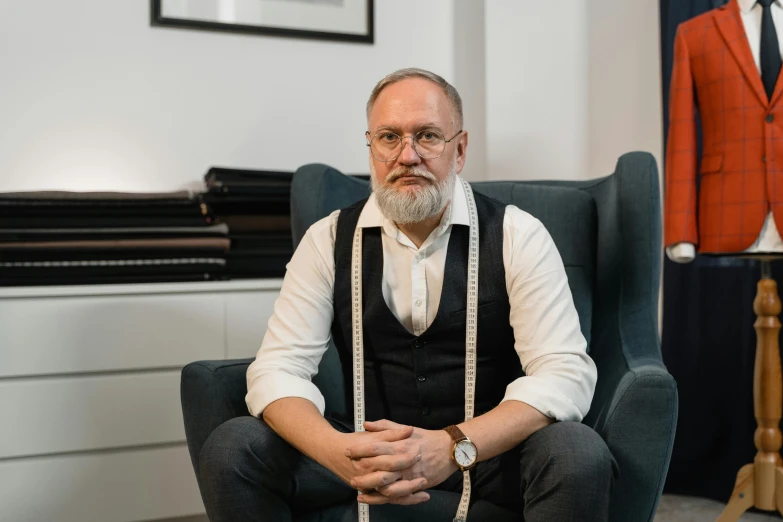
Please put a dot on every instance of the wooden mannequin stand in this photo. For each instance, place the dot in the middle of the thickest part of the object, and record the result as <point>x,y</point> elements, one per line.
<point>760,484</point>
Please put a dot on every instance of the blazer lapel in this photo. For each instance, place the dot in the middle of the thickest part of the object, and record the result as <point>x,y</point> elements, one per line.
<point>729,23</point>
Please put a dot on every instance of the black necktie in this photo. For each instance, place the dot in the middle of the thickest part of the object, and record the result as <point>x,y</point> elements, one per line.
<point>770,51</point>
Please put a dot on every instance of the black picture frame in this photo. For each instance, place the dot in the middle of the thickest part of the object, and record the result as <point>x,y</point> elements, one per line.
<point>157,19</point>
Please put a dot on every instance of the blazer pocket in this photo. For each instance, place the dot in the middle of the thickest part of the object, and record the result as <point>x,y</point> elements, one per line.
<point>711,163</point>
<point>483,310</point>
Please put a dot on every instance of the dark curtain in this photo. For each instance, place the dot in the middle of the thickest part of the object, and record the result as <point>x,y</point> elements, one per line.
<point>708,340</point>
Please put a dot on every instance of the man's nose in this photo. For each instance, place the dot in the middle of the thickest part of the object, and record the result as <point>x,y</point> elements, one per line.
<point>408,155</point>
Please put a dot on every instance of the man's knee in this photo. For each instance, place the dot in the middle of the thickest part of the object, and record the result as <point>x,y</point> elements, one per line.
<point>243,446</point>
<point>574,452</point>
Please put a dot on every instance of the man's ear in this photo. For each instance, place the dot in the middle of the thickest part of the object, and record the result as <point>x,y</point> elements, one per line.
<point>462,150</point>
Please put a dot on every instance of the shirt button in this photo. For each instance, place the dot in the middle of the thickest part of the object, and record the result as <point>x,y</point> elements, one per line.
<point>418,256</point>
<point>418,302</point>
<point>425,411</point>
<point>770,118</point>
<point>421,378</point>
<point>764,159</point>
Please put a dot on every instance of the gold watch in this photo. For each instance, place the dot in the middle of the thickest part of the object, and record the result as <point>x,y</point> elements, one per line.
<point>464,452</point>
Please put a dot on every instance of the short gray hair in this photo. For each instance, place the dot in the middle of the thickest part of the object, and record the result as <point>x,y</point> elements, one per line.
<point>402,74</point>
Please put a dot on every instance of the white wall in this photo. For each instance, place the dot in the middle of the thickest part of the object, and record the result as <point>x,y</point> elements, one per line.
<point>537,97</point>
<point>93,98</point>
<point>624,82</point>
<point>571,86</point>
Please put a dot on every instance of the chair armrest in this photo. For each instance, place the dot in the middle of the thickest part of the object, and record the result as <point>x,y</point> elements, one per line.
<point>211,392</point>
<point>635,412</point>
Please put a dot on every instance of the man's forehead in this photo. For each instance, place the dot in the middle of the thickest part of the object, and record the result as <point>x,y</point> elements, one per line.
<point>411,102</point>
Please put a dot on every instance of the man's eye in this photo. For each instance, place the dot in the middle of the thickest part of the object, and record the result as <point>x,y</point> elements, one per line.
<point>427,136</point>
<point>389,136</point>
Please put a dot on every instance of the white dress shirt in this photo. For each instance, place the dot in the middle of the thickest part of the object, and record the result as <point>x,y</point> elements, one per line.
<point>769,239</point>
<point>560,376</point>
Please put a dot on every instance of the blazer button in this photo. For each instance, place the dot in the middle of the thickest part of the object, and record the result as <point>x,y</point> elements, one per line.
<point>421,378</point>
<point>770,118</point>
<point>425,411</point>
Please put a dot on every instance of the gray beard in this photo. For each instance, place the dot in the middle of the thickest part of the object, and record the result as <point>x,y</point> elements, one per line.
<point>407,208</point>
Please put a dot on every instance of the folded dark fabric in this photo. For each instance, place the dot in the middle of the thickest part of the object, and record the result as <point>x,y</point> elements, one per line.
<point>63,280</point>
<point>222,205</point>
<point>101,271</point>
<point>17,210</point>
<point>249,223</point>
<point>216,243</point>
<point>268,241</point>
<point>68,234</point>
<point>62,197</point>
<point>226,180</point>
<point>104,222</point>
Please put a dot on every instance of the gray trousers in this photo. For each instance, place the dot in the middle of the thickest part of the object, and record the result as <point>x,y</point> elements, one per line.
<point>561,473</point>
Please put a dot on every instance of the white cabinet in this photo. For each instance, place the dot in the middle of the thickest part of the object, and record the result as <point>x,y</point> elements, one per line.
<point>89,393</point>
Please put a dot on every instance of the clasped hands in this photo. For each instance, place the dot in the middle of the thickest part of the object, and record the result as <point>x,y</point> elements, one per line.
<point>393,463</point>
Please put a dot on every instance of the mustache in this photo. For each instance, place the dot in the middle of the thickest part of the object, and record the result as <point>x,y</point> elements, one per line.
<point>400,172</point>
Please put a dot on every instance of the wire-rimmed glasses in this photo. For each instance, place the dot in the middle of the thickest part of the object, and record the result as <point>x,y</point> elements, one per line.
<point>387,145</point>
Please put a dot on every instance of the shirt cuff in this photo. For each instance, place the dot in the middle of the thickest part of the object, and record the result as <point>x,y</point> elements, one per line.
<point>535,392</point>
<point>681,252</point>
<point>270,387</point>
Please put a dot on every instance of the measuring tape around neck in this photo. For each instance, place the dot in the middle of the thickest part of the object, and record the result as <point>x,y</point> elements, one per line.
<point>471,326</point>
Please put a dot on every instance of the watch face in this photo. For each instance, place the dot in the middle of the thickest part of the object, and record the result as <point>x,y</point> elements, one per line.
<point>465,453</point>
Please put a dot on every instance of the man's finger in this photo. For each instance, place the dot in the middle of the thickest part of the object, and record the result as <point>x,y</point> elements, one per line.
<point>393,435</point>
<point>380,438</point>
<point>390,462</point>
<point>370,449</point>
<point>381,425</point>
<point>403,488</point>
<point>377,498</point>
<point>375,480</point>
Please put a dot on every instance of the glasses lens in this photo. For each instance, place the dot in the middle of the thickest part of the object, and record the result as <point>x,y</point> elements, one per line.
<point>430,144</point>
<point>385,146</point>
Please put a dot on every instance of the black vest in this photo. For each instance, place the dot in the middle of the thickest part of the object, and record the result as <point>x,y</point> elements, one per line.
<point>420,381</point>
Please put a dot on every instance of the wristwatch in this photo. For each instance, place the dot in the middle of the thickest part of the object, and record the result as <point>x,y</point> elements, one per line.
<point>464,452</point>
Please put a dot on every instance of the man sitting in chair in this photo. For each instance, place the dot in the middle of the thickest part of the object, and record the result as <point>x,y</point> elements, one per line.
<point>513,362</point>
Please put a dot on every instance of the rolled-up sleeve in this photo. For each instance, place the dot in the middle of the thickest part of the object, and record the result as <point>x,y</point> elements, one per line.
<point>298,332</point>
<point>559,376</point>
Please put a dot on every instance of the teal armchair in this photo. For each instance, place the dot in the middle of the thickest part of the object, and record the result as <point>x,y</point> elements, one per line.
<point>608,232</point>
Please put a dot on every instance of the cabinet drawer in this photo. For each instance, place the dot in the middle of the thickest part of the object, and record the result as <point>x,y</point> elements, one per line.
<point>63,414</point>
<point>123,486</point>
<point>95,333</point>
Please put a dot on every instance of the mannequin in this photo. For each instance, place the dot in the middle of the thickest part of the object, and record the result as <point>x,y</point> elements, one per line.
<point>727,65</point>
<point>745,174</point>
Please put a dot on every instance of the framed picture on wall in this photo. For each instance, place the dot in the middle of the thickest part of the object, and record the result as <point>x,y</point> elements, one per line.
<point>341,20</point>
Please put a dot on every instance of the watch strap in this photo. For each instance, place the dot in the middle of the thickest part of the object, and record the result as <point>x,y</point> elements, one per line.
<point>455,433</point>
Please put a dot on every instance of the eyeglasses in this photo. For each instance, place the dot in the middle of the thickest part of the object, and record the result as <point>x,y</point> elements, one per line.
<point>387,146</point>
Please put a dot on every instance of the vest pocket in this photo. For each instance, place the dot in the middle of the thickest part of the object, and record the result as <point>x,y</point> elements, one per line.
<point>484,310</point>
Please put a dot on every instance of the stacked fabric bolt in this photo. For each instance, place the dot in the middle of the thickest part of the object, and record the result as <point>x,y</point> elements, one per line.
<point>55,238</point>
<point>255,204</point>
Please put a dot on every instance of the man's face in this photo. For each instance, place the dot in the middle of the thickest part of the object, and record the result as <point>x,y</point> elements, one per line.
<point>407,108</point>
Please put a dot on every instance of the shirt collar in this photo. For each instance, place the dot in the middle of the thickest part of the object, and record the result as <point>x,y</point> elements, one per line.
<point>746,6</point>
<point>456,213</point>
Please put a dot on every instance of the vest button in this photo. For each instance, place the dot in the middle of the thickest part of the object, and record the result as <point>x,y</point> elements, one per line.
<point>425,411</point>
<point>419,344</point>
<point>421,378</point>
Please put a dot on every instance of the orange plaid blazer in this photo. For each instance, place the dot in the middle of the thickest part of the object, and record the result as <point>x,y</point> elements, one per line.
<point>740,175</point>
